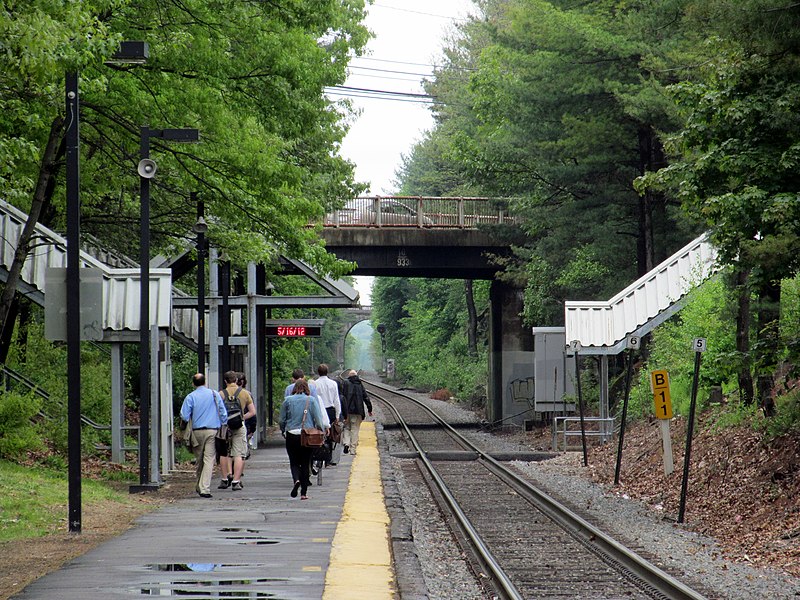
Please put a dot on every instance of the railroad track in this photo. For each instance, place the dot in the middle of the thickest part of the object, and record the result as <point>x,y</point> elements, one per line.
<point>529,544</point>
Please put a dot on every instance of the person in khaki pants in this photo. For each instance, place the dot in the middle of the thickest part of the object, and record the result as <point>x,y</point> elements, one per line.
<point>204,408</point>
<point>237,449</point>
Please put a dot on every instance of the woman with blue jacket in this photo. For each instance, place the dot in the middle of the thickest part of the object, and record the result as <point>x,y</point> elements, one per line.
<point>295,412</point>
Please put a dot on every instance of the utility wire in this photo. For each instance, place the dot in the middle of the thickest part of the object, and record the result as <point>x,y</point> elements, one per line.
<point>390,71</point>
<point>387,92</point>
<point>385,77</point>
<point>414,64</point>
<point>380,96</point>
<point>419,12</point>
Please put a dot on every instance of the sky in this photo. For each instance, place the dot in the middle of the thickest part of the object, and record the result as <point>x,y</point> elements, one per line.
<point>409,35</point>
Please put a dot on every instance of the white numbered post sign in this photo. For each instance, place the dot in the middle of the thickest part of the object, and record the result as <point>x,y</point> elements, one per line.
<point>575,346</point>
<point>699,344</point>
<point>634,341</point>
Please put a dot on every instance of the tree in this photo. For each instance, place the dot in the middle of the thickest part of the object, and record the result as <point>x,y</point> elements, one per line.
<point>250,76</point>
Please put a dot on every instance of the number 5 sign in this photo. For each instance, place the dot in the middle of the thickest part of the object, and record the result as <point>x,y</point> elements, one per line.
<point>662,402</point>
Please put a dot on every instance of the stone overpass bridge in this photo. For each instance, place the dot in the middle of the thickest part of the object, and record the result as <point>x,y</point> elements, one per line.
<point>450,238</point>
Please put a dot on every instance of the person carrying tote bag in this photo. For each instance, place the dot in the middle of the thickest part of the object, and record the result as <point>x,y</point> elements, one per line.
<point>297,412</point>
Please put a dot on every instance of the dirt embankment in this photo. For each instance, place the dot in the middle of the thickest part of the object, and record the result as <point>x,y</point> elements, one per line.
<point>742,491</point>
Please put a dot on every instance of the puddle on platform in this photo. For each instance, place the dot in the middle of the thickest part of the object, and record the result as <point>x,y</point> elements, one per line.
<point>167,592</point>
<point>212,588</point>
<point>252,542</point>
<point>238,529</point>
<point>200,567</point>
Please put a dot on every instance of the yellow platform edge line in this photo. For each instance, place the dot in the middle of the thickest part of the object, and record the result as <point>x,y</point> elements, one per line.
<point>361,557</point>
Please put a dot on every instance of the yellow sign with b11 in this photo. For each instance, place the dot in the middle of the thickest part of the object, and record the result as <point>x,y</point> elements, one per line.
<point>662,402</point>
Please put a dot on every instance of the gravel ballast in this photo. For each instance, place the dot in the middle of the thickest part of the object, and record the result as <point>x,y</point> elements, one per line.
<point>695,559</point>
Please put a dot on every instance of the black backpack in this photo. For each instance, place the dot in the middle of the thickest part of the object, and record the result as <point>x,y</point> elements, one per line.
<point>234,409</point>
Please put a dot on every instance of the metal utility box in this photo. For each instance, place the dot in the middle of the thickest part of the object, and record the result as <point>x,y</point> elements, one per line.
<point>553,374</point>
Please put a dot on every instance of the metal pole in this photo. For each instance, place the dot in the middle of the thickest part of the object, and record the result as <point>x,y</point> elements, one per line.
<point>225,363</point>
<point>580,409</point>
<point>689,434</point>
<point>144,314</point>
<point>201,290</point>
<point>270,407</point>
<point>628,374</point>
<point>73,299</point>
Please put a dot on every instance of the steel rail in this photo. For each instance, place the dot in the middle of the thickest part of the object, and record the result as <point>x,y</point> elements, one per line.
<point>484,555</point>
<point>590,535</point>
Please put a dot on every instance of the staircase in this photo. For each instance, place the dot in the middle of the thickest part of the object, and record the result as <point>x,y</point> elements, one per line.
<point>602,327</point>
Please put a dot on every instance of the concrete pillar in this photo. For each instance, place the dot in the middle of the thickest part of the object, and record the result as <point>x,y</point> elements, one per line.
<point>212,325</point>
<point>167,416</point>
<point>117,404</point>
<point>155,408</point>
<point>510,356</point>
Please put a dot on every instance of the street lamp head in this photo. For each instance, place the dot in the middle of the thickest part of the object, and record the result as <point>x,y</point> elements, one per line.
<point>200,226</point>
<point>130,53</point>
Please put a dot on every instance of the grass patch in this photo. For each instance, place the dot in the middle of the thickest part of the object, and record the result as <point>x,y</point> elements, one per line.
<point>34,501</point>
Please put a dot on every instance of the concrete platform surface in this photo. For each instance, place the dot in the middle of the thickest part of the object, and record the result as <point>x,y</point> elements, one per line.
<point>254,543</point>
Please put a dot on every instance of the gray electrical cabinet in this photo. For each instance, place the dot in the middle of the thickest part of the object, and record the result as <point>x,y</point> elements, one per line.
<point>553,373</point>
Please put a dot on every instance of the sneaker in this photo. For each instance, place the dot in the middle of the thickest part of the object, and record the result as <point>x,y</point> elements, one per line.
<point>224,484</point>
<point>205,495</point>
<point>296,487</point>
<point>237,485</point>
<point>346,449</point>
<point>314,470</point>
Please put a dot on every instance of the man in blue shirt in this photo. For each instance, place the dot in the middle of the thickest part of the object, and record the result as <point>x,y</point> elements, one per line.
<point>205,409</point>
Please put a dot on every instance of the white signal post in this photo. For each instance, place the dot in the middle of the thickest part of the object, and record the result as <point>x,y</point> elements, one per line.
<point>662,404</point>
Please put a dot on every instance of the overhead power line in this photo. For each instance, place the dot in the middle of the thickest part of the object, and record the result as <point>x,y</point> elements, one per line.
<point>390,71</point>
<point>413,64</point>
<point>354,92</point>
<point>419,12</point>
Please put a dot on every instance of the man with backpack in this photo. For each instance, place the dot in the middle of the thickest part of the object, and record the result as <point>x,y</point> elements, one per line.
<point>240,406</point>
<point>354,399</point>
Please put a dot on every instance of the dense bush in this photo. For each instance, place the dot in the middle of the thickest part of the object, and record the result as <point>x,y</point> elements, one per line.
<point>18,432</point>
<point>707,315</point>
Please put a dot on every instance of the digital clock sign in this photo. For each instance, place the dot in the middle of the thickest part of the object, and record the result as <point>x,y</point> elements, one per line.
<point>294,329</point>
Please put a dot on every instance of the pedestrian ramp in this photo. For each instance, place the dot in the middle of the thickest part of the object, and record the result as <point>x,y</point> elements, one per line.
<point>602,327</point>
<point>120,285</point>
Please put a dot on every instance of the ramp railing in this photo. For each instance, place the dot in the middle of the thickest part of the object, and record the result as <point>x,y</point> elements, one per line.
<point>644,304</point>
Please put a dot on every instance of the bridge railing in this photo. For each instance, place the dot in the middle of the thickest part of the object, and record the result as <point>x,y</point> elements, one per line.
<point>420,211</point>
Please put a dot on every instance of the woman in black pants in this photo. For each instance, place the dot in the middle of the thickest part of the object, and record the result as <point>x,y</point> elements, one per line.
<point>297,411</point>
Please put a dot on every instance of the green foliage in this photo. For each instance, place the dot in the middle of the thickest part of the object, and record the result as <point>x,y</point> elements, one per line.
<point>426,334</point>
<point>786,419</point>
<point>736,415</point>
<point>705,315</point>
<point>17,431</point>
<point>249,75</point>
<point>45,363</point>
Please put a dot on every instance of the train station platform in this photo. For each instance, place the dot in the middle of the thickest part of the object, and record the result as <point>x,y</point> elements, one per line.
<point>253,543</point>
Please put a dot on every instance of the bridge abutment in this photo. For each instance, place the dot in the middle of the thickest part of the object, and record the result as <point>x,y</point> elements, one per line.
<point>510,357</point>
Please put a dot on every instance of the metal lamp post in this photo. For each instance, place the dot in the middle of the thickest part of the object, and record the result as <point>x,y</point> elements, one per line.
<point>269,289</point>
<point>382,331</point>
<point>200,228</point>
<point>131,53</point>
<point>147,170</point>
<point>225,329</point>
